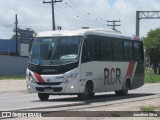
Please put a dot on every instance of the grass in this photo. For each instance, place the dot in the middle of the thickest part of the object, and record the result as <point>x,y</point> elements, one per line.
<point>12,77</point>
<point>150,108</point>
<point>151,77</point>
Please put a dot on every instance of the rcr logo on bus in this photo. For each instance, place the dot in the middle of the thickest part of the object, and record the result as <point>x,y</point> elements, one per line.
<point>112,76</point>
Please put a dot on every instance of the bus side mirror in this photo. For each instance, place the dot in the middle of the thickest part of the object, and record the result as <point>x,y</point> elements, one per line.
<point>30,45</point>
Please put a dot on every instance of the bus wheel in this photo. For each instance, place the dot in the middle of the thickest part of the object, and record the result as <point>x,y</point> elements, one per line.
<point>88,93</point>
<point>91,95</point>
<point>43,96</point>
<point>123,92</point>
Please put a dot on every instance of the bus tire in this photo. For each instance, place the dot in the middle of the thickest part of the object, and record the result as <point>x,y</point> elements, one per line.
<point>88,93</point>
<point>123,92</point>
<point>91,95</point>
<point>43,96</point>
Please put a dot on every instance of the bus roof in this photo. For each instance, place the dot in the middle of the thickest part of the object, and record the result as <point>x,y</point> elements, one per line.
<point>83,32</point>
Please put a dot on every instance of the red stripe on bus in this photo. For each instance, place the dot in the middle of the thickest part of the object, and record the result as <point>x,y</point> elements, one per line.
<point>39,78</point>
<point>130,69</point>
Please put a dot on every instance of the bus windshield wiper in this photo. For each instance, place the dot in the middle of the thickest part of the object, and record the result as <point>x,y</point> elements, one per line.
<point>52,54</point>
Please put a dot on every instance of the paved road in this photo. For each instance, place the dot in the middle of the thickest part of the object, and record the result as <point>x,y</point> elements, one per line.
<point>23,100</point>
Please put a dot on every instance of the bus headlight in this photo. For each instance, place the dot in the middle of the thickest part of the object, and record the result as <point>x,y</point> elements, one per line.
<point>30,79</point>
<point>71,77</point>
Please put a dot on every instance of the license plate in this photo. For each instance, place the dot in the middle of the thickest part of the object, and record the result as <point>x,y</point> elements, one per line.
<point>48,90</point>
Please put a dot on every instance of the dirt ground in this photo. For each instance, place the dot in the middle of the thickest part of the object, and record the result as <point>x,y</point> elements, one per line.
<point>12,86</point>
<point>20,86</point>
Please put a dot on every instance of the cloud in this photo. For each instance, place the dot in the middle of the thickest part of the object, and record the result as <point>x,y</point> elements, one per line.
<point>76,14</point>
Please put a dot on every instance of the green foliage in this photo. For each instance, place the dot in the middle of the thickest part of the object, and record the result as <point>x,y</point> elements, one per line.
<point>12,77</point>
<point>152,47</point>
<point>14,35</point>
<point>149,108</point>
<point>151,77</point>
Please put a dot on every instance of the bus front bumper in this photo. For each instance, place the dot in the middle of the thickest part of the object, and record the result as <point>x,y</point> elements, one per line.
<point>63,88</point>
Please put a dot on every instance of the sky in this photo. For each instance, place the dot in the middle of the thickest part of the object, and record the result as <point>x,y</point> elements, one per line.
<point>74,14</point>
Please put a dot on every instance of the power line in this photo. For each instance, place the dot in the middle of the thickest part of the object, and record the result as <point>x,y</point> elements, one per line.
<point>2,30</point>
<point>9,26</point>
<point>6,25</point>
<point>76,16</point>
<point>62,11</point>
<point>34,26</point>
<point>87,13</point>
<point>84,14</point>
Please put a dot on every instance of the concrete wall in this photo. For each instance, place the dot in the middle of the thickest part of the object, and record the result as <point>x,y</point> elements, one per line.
<point>13,66</point>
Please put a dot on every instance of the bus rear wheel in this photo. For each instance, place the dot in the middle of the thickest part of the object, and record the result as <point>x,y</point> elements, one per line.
<point>88,93</point>
<point>43,96</point>
<point>124,91</point>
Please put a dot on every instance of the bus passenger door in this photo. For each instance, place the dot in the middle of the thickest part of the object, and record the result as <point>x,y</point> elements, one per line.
<point>89,66</point>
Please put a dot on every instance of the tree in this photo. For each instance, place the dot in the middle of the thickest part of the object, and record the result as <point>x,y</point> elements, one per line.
<point>152,47</point>
<point>14,35</point>
<point>34,33</point>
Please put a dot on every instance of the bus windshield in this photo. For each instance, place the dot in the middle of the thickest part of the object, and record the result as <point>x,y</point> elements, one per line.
<point>55,50</point>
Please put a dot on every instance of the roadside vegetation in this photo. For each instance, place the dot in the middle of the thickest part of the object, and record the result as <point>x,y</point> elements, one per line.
<point>150,108</point>
<point>152,48</point>
<point>151,77</point>
<point>12,77</point>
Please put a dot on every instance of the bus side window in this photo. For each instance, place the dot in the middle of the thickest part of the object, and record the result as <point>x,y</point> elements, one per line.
<point>106,49</point>
<point>96,49</point>
<point>86,52</point>
<point>138,51</point>
<point>117,49</point>
<point>141,51</point>
<point>128,51</point>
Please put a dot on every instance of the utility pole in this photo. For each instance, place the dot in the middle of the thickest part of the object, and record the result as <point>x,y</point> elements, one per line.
<point>52,2</point>
<point>145,15</point>
<point>137,22</point>
<point>114,24</point>
<point>16,24</point>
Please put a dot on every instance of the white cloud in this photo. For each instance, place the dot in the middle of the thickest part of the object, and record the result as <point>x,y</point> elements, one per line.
<point>35,14</point>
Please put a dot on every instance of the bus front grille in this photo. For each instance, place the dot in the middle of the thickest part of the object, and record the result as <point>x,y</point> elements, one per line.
<point>55,89</point>
<point>51,83</point>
